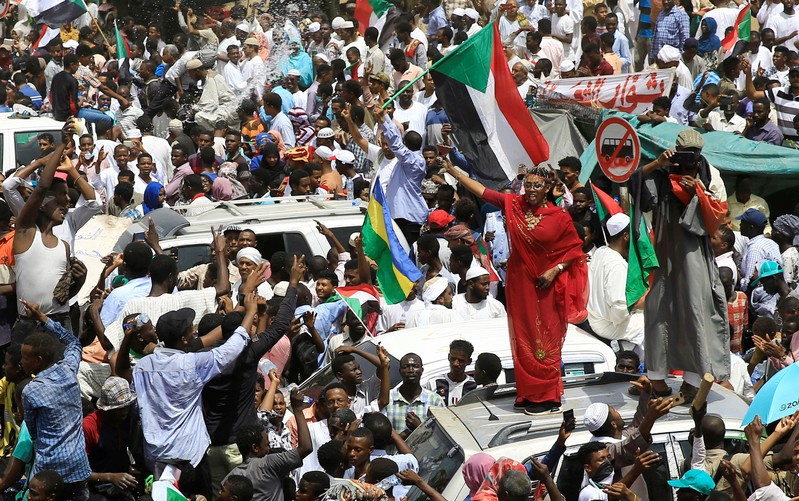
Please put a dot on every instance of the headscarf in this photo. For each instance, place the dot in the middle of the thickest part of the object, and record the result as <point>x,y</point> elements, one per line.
<point>475,470</point>
<point>271,148</point>
<point>433,289</point>
<point>301,62</point>
<point>788,225</point>
<point>305,132</point>
<point>278,140</point>
<point>229,171</point>
<point>263,44</point>
<point>709,42</point>
<point>488,490</point>
<point>151,194</point>
<point>460,232</point>
<point>222,190</point>
<point>251,254</point>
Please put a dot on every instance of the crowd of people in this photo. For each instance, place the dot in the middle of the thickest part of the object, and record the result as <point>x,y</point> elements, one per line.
<point>189,377</point>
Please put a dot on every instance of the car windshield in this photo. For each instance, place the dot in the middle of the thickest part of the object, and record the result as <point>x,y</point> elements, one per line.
<point>439,457</point>
<point>324,376</point>
<point>26,145</point>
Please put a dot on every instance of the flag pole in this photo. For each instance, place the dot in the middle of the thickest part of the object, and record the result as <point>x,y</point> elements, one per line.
<point>96,23</point>
<point>432,67</point>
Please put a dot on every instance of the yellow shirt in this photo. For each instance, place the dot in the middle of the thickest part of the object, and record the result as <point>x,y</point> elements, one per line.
<point>737,208</point>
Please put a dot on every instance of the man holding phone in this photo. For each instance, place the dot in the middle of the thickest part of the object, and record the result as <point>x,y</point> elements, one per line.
<point>686,306</point>
<point>724,119</point>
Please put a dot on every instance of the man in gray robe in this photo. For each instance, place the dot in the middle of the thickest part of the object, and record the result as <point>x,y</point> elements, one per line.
<point>685,316</point>
<point>217,102</point>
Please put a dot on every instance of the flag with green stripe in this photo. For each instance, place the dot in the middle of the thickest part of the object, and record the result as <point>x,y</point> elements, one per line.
<point>55,13</point>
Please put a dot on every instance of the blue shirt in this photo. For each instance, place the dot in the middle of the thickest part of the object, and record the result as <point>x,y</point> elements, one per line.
<point>286,96</point>
<point>169,385</point>
<point>621,46</point>
<point>672,28</point>
<point>404,195</point>
<point>282,124</point>
<point>54,413</point>
<point>119,297</point>
<point>436,20</point>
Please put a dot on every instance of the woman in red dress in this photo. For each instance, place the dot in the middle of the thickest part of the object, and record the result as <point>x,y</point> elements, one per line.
<point>546,286</point>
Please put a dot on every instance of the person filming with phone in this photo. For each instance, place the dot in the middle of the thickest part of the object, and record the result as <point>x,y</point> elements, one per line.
<point>719,114</point>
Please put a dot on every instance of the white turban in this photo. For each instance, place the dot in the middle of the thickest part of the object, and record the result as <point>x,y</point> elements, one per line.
<point>433,289</point>
<point>669,54</point>
<point>243,27</point>
<point>251,254</point>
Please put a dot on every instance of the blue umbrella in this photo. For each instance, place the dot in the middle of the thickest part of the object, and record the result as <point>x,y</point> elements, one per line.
<point>777,398</point>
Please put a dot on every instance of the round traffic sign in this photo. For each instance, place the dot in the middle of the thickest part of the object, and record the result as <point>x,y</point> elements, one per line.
<point>618,149</point>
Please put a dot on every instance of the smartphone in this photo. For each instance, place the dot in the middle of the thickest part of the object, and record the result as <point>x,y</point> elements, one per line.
<point>678,400</point>
<point>683,158</point>
<point>568,420</point>
<point>138,237</point>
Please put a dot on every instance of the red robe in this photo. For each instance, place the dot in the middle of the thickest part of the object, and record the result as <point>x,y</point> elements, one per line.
<point>538,318</point>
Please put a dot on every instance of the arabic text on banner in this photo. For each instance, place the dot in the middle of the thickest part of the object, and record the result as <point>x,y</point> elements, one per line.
<point>631,93</point>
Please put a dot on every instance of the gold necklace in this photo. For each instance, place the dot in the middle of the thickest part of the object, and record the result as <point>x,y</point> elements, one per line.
<point>532,219</point>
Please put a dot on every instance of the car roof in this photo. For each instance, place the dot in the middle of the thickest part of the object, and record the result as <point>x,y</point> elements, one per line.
<point>489,335</point>
<point>579,393</point>
<point>46,124</point>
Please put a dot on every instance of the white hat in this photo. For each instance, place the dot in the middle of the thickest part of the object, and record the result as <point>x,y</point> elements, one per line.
<point>669,54</point>
<point>475,272</point>
<point>353,236</point>
<point>595,416</point>
<point>252,41</point>
<point>566,66</point>
<point>324,57</point>
<point>133,134</point>
<point>251,254</point>
<point>175,124</point>
<point>280,289</point>
<point>71,44</point>
<point>325,132</point>
<point>347,24</point>
<point>294,73</point>
<point>343,156</point>
<point>617,223</point>
<point>324,152</point>
<point>194,64</point>
<point>433,288</point>
<point>459,12</point>
<point>243,27</point>
<point>336,22</point>
<point>471,13</point>
<point>314,27</point>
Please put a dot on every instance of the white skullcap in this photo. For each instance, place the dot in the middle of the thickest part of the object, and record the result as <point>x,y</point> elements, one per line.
<point>280,289</point>
<point>251,254</point>
<point>133,134</point>
<point>325,132</point>
<point>669,54</point>
<point>347,25</point>
<point>433,289</point>
<point>595,416</point>
<point>294,73</point>
<point>618,223</point>
<point>324,152</point>
<point>475,272</point>
<point>459,12</point>
<point>71,44</point>
<point>343,156</point>
<point>194,64</point>
<point>243,27</point>
<point>336,22</point>
<point>324,57</point>
<point>314,27</point>
<point>566,66</point>
<point>471,13</point>
<point>175,124</point>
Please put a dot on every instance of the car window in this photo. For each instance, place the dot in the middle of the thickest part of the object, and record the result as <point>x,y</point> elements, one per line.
<point>321,378</point>
<point>295,242</point>
<point>439,457</point>
<point>191,255</point>
<point>343,233</point>
<point>26,145</point>
<point>269,243</point>
<point>734,443</point>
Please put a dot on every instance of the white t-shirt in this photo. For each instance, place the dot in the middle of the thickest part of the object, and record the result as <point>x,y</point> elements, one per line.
<point>415,116</point>
<point>455,389</point>
<point>563,26</point>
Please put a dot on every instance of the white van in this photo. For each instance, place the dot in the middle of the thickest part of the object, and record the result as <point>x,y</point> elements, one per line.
<point>485,421</point>
<point>19,139</point>
<point>582,353</point>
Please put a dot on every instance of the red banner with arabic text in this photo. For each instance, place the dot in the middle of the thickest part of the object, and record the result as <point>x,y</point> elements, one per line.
<point>631,93</point>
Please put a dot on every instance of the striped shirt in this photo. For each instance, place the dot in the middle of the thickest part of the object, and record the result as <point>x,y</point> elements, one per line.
<point>672,28</point>
<point>398,407</point>
<point>787,106</point>
<point>758,250</point>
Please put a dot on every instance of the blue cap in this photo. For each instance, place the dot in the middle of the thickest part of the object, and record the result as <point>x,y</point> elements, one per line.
<point>697,480</point>
<point>767,269</point>
<point>753,217</point>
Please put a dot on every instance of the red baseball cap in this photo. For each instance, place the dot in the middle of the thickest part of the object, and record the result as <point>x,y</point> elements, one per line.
<point>439,219</point>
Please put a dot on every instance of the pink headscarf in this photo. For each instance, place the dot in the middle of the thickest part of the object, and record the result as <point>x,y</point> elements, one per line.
<point>488,491</point>
<point>475,470</point>
<point>222,189</point>
<point>281,146</point>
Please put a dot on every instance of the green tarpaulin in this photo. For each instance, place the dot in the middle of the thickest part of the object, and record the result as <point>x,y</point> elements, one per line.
<point>730,153</point>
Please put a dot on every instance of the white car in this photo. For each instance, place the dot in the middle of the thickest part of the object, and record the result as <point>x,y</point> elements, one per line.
<point>19,139</point>
<point>582,353</point>
<point>487,422</point>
